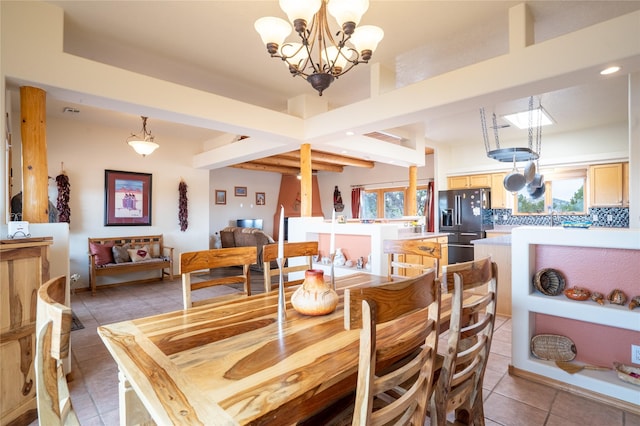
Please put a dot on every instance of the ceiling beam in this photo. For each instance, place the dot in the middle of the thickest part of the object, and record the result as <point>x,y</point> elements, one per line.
<point>278,160</point>
<point>267,168</point>
<point>325,157</point>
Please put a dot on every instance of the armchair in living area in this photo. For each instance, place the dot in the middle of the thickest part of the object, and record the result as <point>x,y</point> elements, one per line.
<point>234,236</point>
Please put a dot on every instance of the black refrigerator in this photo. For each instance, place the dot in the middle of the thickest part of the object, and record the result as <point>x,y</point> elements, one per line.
<point>465,214</point>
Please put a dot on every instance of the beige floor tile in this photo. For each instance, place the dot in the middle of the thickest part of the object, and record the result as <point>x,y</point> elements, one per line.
<point>524,391</point>
<point>584,411</point>
<point>509,412</point>
<point>631,419</point>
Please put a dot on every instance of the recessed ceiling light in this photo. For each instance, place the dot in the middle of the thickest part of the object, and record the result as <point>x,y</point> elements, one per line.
<point>349,133</point>
<point>610,70</point>
<point>521,119</point>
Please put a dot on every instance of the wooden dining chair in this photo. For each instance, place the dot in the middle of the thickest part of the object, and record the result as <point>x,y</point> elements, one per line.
<point>417,256</point>
<point>53,325</point>
<point>198,261</point>
<point>399,324</point>
<point>459,386</point>
<point>304,250</point>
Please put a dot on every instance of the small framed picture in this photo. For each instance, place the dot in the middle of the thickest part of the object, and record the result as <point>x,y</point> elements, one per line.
<point>260,199</point>
<point>221,196</point>
<point>240,191</point>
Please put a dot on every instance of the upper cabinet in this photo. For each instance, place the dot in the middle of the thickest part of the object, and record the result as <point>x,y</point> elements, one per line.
<point>498,192</point>
<point>493,181</point>
<point>609,185</point>
<point>469,181</point>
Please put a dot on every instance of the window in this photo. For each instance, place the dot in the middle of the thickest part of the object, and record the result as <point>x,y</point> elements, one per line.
<point>393,206</point>
<point>564,193</point>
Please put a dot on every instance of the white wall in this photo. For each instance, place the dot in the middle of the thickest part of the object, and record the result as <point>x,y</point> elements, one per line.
<point>87,151</point>
<point>589,146</point>
<point>243,207</point>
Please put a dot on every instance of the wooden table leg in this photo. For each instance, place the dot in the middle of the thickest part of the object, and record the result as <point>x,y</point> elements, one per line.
<point>132,411</point>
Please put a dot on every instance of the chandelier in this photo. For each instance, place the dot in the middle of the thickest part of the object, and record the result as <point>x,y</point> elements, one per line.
<point>144,144</point>
<point>320,58</point>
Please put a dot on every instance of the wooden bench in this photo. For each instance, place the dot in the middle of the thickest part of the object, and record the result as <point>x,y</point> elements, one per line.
<point>161,258</point>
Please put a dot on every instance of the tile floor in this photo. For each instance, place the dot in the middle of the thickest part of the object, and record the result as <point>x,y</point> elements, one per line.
<point>508,400</point>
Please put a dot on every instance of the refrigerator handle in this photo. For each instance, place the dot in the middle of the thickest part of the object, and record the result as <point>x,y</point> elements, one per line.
<point>458,214</point>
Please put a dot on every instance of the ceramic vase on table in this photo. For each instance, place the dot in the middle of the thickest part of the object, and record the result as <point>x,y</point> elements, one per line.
<point>314,296</point>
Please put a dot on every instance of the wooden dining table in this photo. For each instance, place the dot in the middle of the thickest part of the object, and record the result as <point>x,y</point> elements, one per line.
<point>234,363</point>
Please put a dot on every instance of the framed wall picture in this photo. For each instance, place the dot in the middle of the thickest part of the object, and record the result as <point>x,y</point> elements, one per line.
<point>127,198</point>
<point>260,199</point>
<point>221,196</point>
<point>240,191</point>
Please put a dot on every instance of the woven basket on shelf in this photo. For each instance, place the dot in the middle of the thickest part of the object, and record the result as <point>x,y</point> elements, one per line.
<point>553,347</point>
<point>549,281</point>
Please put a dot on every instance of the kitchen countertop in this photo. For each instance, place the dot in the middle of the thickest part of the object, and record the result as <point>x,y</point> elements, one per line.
<point>502,229</point>
<point>504,240</point>
<point>420,235</point>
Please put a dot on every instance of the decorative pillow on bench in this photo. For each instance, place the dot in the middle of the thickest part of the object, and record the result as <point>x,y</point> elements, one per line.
<point>139,254</point>
<point>103,253</point>
<point>121,254</point>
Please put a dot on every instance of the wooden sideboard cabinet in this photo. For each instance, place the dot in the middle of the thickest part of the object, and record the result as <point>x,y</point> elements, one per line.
<point>24,267</point>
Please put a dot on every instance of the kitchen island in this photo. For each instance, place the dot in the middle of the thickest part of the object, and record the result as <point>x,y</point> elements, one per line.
<point>499,248</point>
<point>357,240</point>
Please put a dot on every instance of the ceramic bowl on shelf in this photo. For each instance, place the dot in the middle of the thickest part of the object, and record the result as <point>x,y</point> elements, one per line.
<point>577,293</point>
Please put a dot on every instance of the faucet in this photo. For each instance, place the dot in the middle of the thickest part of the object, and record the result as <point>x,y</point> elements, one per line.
<point>551,213</point>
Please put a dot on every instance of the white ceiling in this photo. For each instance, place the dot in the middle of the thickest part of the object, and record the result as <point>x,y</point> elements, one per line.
<point>212,46</point>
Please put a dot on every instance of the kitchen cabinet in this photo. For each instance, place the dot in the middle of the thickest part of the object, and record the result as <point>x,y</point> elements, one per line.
<point>493,180</point>
<point>498,192</point>
<point>609,185</point>
<point>600,260</point>
<point>24,267</point>
<point>469,181</point>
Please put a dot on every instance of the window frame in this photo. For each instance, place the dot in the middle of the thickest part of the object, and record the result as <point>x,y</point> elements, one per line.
<point>380,197</point>
<point>548,194</point>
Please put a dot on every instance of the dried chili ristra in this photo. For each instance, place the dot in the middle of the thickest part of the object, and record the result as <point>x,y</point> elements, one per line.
<point>183,213</point>
<point>64,191</point>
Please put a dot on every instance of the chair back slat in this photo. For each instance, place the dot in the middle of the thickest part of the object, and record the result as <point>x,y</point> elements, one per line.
<point>393,299</point>
<point>459,387</point>
<point>399,253</point>
<point>207,260</point>
<point>53,325</point>
<point>410,333</point>
<point>302,251</point>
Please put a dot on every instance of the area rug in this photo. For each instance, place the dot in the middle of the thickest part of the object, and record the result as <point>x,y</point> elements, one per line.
<point>75,322</point>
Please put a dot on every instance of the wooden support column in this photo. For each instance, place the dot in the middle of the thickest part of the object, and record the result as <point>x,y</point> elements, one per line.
<point>412,204</point>
<point>306,191</point>
<point>33,126</point>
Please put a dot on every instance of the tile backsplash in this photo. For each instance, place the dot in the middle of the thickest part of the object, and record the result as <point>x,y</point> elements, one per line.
<point>608,217</point>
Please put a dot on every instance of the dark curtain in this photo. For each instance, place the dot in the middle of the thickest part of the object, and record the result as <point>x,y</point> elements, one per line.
<point>355,202</point>
<point>429,208</point>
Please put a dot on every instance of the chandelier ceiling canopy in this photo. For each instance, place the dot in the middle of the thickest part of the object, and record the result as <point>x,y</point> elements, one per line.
<point>143,144</point>
<point>318,57</point>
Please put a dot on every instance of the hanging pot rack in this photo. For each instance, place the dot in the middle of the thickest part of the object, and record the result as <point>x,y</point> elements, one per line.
<point>516,154</point>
